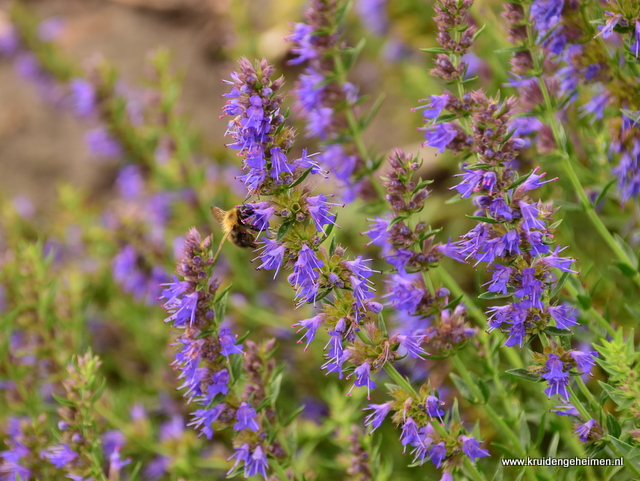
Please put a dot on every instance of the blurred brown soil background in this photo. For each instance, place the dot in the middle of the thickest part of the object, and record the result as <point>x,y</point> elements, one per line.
<point>41,146</point>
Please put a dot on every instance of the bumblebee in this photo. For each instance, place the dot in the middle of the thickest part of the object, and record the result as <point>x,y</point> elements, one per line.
<point>234,227</point>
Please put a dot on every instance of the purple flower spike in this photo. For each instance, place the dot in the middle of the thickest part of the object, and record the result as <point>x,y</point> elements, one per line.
<point>262,212</point>
<point>102,144</point>
<point>84,96</point>
<point>279,163</point>
<point>565,316</point>
<point>438,453</point>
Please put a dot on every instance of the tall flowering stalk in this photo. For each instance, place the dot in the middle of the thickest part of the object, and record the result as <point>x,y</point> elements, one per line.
<point>339,288</point>
<point>207,359</point>
<point>78,452</point>
<point>514,232</point>
<point>327,101</point>
<point>581,59</point>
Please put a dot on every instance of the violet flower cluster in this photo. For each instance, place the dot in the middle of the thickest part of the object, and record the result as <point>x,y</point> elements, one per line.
<point>305,222</point>
<point>27,63</point>
<point>74,453</point>
<point>427,443</point>
<point>323,95</point>
<point>410,251</point>
<point>514,234</point>
<point>137,223</point>
<point>581,58</point>
<point>203,350</point>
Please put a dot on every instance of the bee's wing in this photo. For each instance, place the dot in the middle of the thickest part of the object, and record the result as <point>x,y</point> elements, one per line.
<point>218,214</point>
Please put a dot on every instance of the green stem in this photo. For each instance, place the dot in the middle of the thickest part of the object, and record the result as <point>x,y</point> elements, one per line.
<point>593,404</point>
<point>497,420</point>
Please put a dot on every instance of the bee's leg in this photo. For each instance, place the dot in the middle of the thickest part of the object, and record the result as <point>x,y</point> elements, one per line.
<point>215,258</point>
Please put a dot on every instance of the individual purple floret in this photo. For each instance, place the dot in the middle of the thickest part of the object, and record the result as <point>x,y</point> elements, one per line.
<point>471,447</point>
<point>378,414</point>
<point>556,376</point>
<point>228,344</point>
<point>583,431</point>
<point>245,415</point>
<point>59,455</point>
<point>363,378</point>
<point>584,360</point>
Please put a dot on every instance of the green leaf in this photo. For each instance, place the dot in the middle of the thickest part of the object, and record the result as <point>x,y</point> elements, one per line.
<point>220,305</point>
<point>541,430</point>
<point>626,269</point>
<point>284,229</point>
<point>265,402</point>
<point>99,390</point>
<point>631,255</point>
<point>433,50</point>
<point>353,54</point>
<point>559,284</point>
<point>604,192</point>
<point>294,415</point>
<point>584,300</point>
<point>373,111</point>
<point>464,390</point>
<point>453,303</point>
<point>524,374</point>
<point>136,470</point>
<point>454,199</point>
<point>236,366</point>
<point>505,449</point>
<point>479,31</point>
<point>525,433</point>
<point>64,401</point>
<point>627,450</point>
<point>382,325</point>
<point>484,389</point>
<point>557,332</point>
<point>519,181</point>
<point>332,246</point>
<point>493,295</point>
<point>613,426</point>
<point>479,218</point>
<point>300,179</point>
<point>553,445</point>
<point>519,48</point>
<point>395,221</point>
<point>329,229</point>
